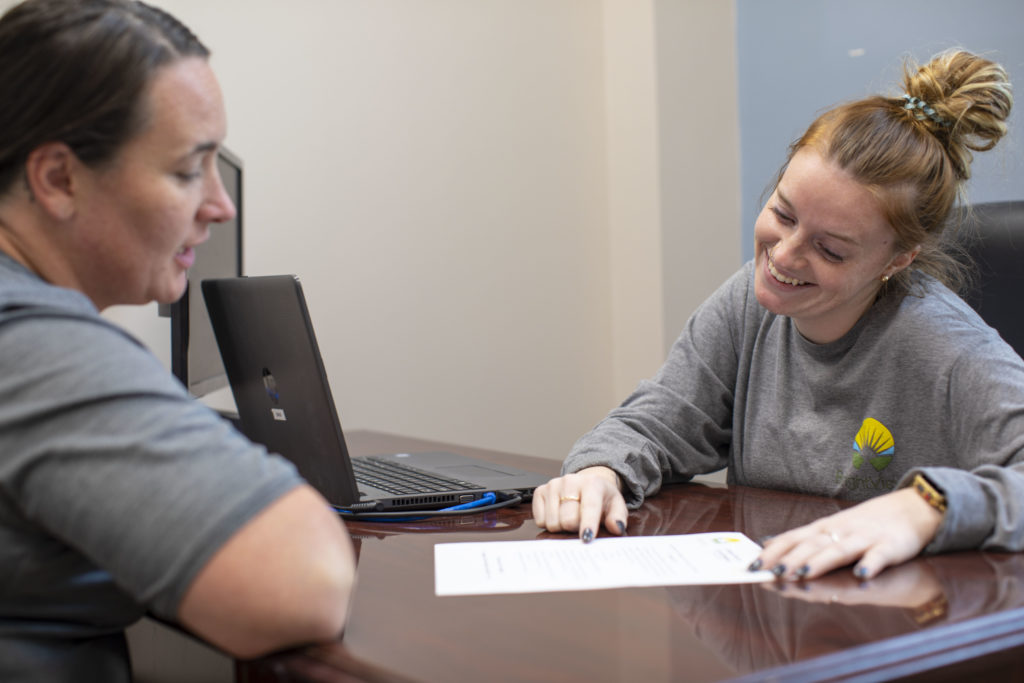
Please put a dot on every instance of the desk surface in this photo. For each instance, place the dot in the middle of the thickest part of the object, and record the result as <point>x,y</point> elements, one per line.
<point>963,612</point>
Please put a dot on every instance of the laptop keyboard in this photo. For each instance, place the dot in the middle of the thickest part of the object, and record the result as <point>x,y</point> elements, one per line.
<point>399,479</point>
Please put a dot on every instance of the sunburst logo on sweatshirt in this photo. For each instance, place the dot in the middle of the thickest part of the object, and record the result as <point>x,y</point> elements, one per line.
<point>874,444</point>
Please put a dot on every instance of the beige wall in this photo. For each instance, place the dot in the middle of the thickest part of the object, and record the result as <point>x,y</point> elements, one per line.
<point>502,210</point>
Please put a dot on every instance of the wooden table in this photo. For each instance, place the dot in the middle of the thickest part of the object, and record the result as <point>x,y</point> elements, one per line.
<point>952,617</point>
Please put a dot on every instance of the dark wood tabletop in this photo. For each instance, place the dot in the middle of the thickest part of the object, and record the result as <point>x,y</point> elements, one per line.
<point>952,617</point>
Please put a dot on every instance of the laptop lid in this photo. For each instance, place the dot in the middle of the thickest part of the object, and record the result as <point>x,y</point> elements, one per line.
<point>284,401</point>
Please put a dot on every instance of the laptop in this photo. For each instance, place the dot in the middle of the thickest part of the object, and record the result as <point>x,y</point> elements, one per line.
<point>266,341</point>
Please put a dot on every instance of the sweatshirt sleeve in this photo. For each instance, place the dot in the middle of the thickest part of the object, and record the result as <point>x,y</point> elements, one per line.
<point>985,496</point>
<point>679,423</point>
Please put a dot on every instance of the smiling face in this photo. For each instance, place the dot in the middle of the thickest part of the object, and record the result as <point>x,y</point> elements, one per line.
<point>140,217</point>
<point>822,246</point>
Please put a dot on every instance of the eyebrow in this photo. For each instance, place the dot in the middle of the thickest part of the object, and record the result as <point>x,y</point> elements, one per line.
<point>201,148</point>
<point>842,238</point>
<point>204,147</point>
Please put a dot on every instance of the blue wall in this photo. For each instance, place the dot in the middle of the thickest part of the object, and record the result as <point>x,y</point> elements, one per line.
<point>799,57</point>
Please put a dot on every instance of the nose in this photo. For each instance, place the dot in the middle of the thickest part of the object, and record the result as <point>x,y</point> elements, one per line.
<point>217,206</point>
<point>789,250</point>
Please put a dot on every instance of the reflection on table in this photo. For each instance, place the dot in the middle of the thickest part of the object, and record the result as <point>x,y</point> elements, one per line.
<point>962,611</point>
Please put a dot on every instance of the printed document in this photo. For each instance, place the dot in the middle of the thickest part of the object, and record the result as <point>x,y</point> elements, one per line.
<point>608,562</point>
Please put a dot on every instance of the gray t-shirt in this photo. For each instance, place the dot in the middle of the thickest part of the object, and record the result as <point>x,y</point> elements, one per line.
<point>115,486</point>
<point>920,383</point>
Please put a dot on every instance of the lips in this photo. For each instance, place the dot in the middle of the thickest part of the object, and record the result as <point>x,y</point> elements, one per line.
<point>185,257</point>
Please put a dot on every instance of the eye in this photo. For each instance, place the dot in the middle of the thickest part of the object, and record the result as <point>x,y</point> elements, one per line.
<point>830,255</point>
<point>188,176</point>
<point>782,216</point>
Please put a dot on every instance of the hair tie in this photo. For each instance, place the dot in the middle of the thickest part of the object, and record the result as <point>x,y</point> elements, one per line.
<point>922,110</point>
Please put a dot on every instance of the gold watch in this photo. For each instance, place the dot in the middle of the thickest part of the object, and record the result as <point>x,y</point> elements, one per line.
<point>929,493</point>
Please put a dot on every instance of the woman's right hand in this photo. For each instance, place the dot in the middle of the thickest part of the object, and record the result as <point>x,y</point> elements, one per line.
<point>580,501</point>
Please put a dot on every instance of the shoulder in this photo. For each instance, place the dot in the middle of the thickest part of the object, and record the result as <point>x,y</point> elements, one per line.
<point>933,322</point>
<point>22,289</point>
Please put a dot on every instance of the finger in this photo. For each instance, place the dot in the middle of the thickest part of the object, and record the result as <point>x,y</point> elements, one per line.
<point>838,551</point>
<point>795,561</point>
<point>538,505</point>
<point>546,505</point>
<point>882,555</point>
<point>594,500</point>
<point>569,511</point>
<point>617,516</point>
<point>553,508</point>
<point>563,505</point>
<point>775,549</point>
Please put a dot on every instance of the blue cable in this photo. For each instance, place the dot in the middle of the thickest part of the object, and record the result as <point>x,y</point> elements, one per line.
<point>488,498</point>
<point>485,499</point>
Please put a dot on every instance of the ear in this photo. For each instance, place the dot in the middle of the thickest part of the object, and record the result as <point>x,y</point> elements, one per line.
<point>902,260</point>
<point>49,172</point>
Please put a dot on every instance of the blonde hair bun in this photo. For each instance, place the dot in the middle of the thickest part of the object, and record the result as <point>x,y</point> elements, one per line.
<point>971,97</point>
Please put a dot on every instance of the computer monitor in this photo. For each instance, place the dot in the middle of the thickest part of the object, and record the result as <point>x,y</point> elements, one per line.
<point>195,358</point>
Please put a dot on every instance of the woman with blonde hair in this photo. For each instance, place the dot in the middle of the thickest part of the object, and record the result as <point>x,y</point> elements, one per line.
<point>840,361</point>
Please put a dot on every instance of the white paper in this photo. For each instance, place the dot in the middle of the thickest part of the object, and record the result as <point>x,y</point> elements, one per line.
<point>610,562</point>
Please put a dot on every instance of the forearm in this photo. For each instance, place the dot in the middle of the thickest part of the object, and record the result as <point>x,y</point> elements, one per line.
<point>284,579</point>
<point>982,508</point>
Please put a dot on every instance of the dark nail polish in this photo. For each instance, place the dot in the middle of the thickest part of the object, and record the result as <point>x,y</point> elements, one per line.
<point>765,539</point>
<point>860,572</point>
<point>755,565</point>
<point>779,569</point>
<point>622,526</point>
<point>803,571</point>
<point>588,535</point>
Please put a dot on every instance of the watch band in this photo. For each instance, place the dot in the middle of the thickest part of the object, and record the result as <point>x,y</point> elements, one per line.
<point>931,495</point>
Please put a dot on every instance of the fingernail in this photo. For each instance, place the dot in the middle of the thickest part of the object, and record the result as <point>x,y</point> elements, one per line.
<point>765,539</point>
<point>779,569</point>
<point>622,526</point>
<point>588,535</point>
<point>860,572</point>
<point>755,565</point>
<point>803,571</point>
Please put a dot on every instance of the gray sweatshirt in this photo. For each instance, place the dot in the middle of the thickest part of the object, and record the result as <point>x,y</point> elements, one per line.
<point>920,384</point>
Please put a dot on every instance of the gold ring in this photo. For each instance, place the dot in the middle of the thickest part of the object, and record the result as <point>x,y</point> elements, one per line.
<point>567,499</point>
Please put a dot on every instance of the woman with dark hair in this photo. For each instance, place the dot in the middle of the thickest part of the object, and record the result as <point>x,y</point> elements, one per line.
<point>840,362</point>
<point>120,494</point>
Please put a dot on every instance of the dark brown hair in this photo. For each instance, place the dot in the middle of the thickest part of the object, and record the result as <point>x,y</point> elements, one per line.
<point>75,71</point>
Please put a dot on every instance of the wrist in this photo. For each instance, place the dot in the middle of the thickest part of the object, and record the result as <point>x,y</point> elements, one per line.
<point>929,492</point>
<point>924,513</point>
<point>607,473</point>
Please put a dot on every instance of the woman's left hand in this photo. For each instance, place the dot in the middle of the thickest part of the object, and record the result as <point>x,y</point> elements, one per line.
<point>878,533</point>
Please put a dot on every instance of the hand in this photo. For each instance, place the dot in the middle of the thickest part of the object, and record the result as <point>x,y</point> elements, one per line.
<point>578,502</point>
<point>883,531</point>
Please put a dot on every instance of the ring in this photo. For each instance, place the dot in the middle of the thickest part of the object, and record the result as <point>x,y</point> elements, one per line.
<point>567,499</point>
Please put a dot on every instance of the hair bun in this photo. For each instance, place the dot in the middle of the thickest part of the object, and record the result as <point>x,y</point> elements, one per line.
<point>971,98</point>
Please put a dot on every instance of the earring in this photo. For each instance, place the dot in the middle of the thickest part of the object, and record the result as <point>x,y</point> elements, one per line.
<point>885,278</point>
